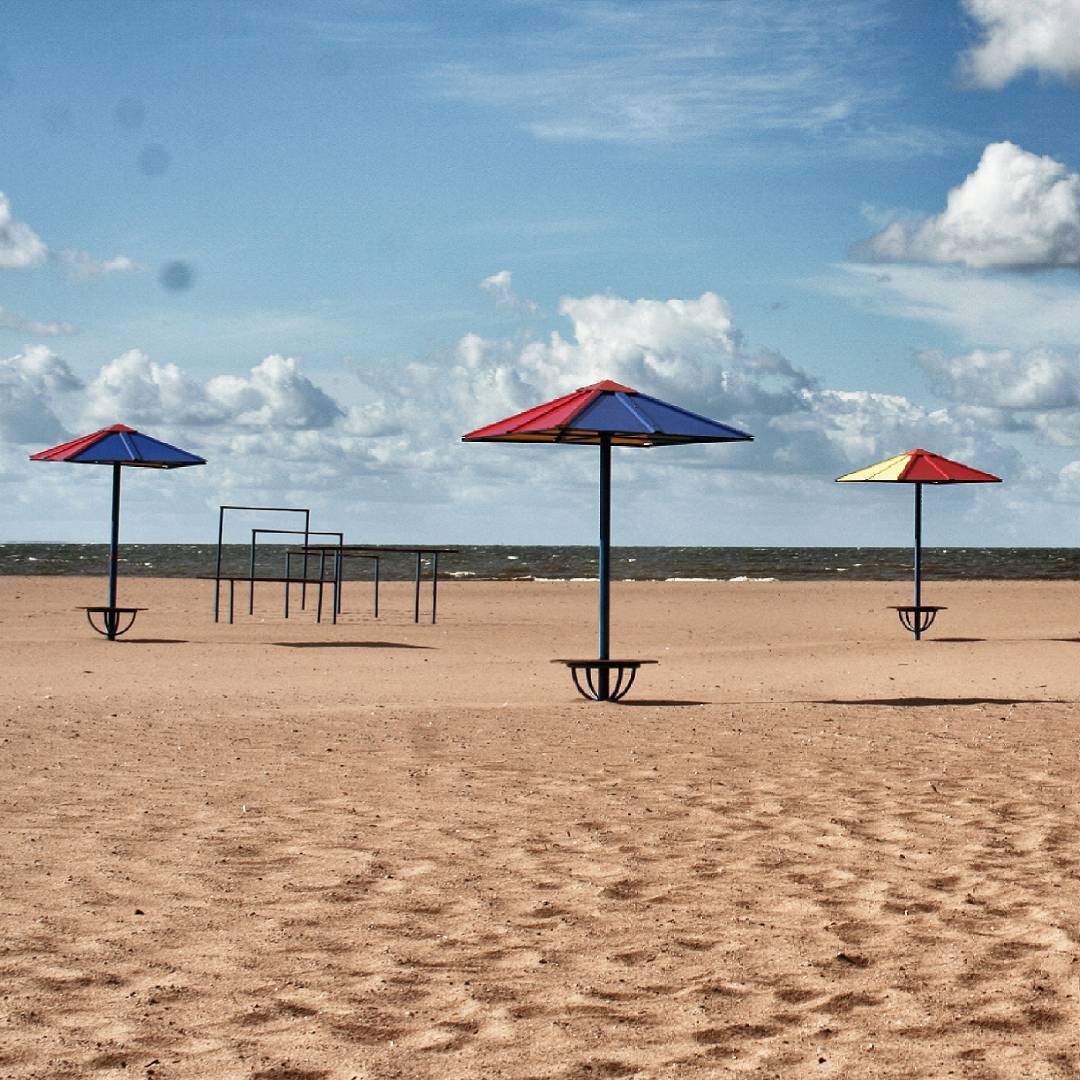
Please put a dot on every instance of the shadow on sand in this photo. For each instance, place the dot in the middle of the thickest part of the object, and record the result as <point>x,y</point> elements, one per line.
<point>658,702</point>
<point>347,645</point>
<point>153,641</point>
<point>920,702</point>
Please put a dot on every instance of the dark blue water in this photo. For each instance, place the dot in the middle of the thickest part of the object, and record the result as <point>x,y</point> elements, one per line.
<point>484,563</point>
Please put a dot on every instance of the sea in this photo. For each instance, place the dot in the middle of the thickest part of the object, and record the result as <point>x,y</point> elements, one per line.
<point>572,563</point>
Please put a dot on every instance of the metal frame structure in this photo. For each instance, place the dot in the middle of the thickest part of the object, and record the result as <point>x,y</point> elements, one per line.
<point>306,511</point>
<point>340,552</point>
<point>302,580</point>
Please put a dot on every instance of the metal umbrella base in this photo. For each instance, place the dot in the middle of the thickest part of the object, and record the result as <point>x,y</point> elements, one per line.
<point>111,618</point>
<point>917,618</point>
<point>598,675</point>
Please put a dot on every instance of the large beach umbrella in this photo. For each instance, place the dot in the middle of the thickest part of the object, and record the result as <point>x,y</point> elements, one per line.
<point>606,414</point>
<point>918,467</point>
<point>119,446</point>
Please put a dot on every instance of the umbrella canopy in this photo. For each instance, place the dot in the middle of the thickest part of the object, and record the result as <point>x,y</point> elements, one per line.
<point>119,446</point>
<point>918,467</point>
<point>607,414</point>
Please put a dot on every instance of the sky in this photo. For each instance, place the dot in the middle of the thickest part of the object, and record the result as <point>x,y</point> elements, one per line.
<point>317,241</point>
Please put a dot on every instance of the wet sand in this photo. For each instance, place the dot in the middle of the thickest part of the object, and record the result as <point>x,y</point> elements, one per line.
<point>805,846</point>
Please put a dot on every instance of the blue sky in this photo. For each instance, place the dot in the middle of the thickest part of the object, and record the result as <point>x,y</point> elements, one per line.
<point>317,241</point>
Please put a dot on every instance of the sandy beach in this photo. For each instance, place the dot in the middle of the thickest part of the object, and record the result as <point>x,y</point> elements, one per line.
<point>805,846</point>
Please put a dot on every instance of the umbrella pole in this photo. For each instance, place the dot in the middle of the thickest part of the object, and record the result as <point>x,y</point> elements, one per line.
<point>918,560</point>
<point>603,570</point>
<point>114,555</point>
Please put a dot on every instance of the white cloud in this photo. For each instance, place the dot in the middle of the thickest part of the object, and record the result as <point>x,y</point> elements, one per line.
<point>1016,210</point>
<point>1023,35</point>
<point>844,429</point>
<point>1067,487</point>
<point>1034,391</point>
<point>1038,379</point>
<point>501,288</point>
<point>81,266</point>
<point>20,246</point>
<point>390,462</point>
<point>748,70</point>
<point>274,394</point>
<point>1011,312</point>
<point>135,389</point>
<point>30,383</point>
<point>10,321</point>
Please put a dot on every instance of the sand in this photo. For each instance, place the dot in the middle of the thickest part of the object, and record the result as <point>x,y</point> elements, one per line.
<point>805,846</point>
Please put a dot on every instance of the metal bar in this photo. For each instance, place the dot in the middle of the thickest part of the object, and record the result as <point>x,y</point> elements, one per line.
<point>339,570</point>
<point>288,574</point>
<point>114,548</point>
<point>416,591</point>
<point>307,534</point>
<point>434,583</point>
<point>339,590</point>
<point>918,560</point>
<point>603,570</point>
<point>232,597</point>
<point>251,581</point>
<point>217,566</point>
<point>376,586</point>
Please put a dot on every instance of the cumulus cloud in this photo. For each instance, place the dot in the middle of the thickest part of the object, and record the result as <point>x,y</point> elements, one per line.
<point>20,246</point>
<point>1034,391</point>
<point>30,382</point>
<point>134,389</point>
<point>1038,379</point>
<point>273,394</point>
<point>500,287</point>
<point>1017,210</point>
<point>684,348</point>
<point>1067,487</point>
<point>390,457</point>
<point>1023,35</point>
<point>842,429</point>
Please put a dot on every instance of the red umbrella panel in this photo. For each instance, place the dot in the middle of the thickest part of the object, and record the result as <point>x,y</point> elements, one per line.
<point>607,414</point>
<point>919,467</point>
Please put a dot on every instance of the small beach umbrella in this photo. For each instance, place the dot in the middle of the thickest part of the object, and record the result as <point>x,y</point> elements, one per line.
<point>918,467</point>
<point>606,414</point>
<point>118,446</point>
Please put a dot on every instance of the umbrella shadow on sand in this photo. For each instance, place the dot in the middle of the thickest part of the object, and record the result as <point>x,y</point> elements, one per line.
<point>922,702</point>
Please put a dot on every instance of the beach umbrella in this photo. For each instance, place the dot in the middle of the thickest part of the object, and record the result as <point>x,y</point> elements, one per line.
<point>918,467</point>
<point>606,414</point>
<point>121,447</point>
